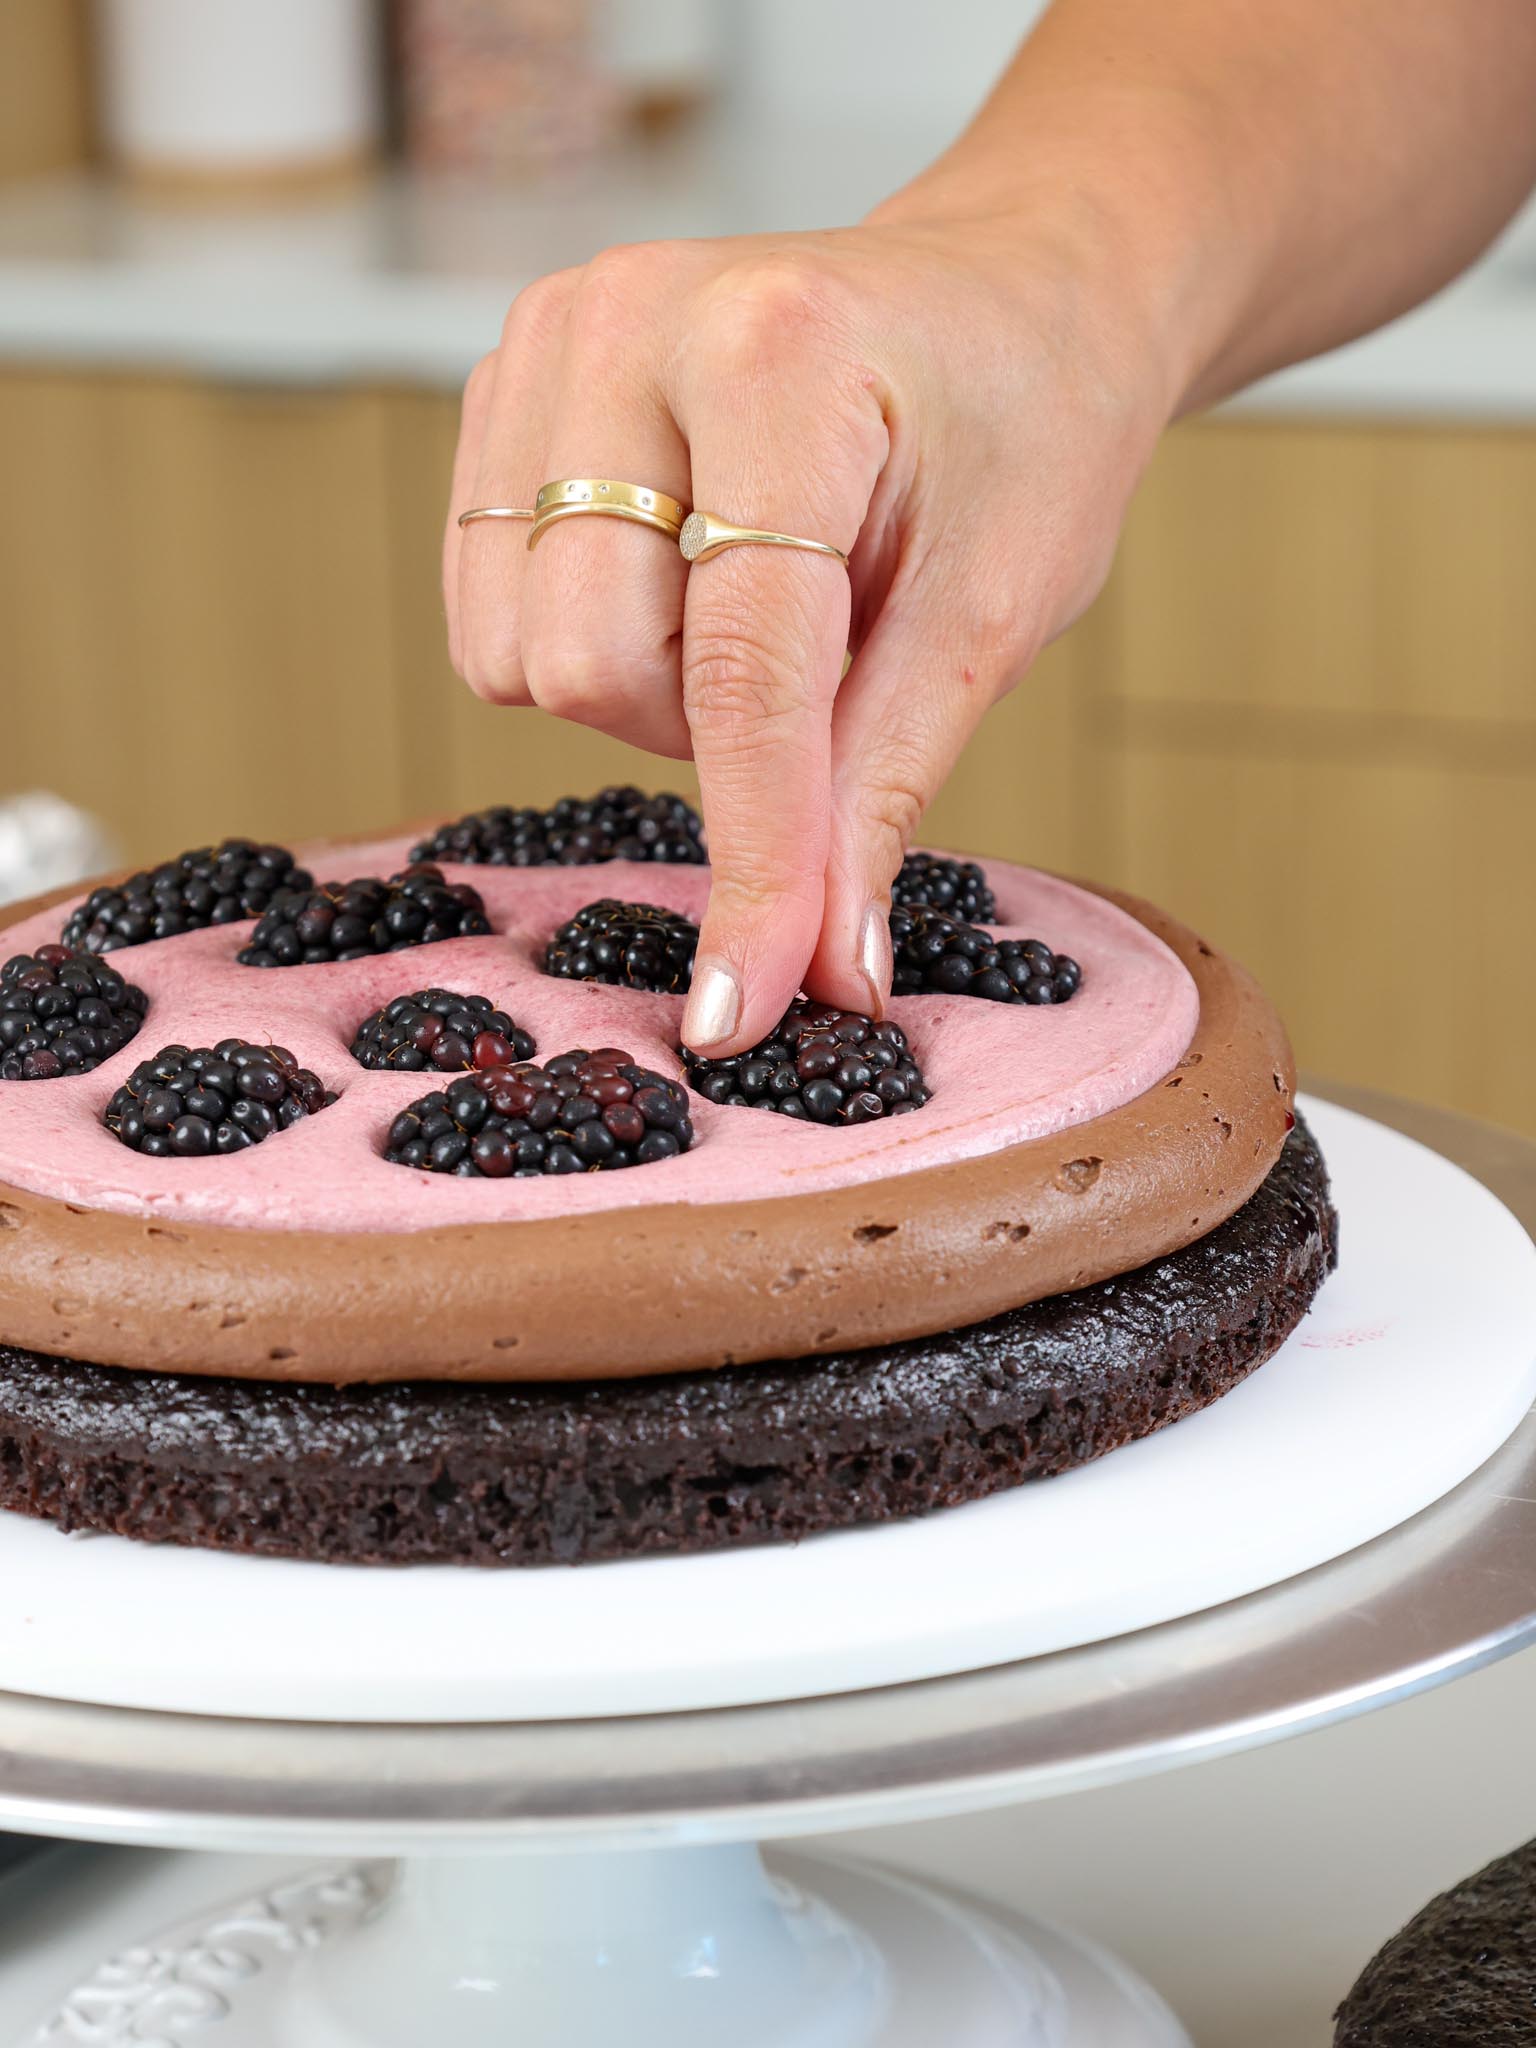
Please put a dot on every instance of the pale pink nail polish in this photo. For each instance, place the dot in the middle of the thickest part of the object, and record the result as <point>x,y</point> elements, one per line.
<point>714,1005</point>
<point>875,956</point>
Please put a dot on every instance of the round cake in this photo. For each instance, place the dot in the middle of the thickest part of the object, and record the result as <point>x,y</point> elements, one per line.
<point>383,1218</point>
<point>1461,1974</point>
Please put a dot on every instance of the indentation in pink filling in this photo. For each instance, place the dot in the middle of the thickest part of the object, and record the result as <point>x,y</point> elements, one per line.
<point>999,1073</point>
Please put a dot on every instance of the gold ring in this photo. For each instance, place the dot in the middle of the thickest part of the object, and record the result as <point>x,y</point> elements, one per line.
<point>496,512</point>
<point>703,536</point>
<point>604,496</point>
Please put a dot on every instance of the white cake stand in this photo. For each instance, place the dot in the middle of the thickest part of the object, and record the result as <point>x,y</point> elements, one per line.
<point>598,1881</point>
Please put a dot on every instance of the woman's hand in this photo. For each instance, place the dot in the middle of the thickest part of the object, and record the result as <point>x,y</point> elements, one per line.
<point>962,407</point>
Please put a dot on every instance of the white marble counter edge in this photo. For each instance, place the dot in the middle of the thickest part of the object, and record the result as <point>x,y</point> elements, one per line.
<point>234,300</point>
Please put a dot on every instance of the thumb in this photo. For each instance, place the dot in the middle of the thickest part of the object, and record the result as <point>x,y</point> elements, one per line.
<point>918,688</point>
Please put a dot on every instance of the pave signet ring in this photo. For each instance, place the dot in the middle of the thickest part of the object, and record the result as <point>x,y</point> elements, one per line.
<point>703,536</point>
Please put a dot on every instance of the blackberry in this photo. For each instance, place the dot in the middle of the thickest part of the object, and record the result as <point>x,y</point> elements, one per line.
<point>351,920</point>
<point>211,885</point>
<point>499,837</point>
<point>628,945</point>
<point>936,953</point>
<point>827,1066</point>
<point>63,1012</point>
<point>436,1028</point>
<point>581,1112</point>
<point>622,823</point>
<point>185,1104</point>
<point>959,887</point>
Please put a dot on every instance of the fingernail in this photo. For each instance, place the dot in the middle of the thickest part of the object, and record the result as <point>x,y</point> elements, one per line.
<point>875,957</point>
<point>714,1007</point>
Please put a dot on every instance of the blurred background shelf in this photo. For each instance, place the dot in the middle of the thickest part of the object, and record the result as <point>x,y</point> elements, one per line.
<point>1303,714</point>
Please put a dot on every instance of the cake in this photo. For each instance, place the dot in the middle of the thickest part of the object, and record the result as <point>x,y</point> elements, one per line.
<point>272,1280</point>
<point>1461,1974</point>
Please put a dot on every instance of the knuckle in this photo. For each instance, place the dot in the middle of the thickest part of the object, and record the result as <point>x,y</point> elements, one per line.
<point>892,810</point>
<point>490,659</point>
<point>775,305</point>
<point>624,268</point>
<point>619,291</point>
<point>756,885</point>
<point>576,682</point>
<point>735,682</point>
<point>538,309</point>
<point>496,677</point>
<point>477,385</point>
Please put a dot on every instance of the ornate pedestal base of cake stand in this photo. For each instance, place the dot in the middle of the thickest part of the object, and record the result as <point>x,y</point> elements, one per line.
<point>590,1882</point>
<point>691,1948</point>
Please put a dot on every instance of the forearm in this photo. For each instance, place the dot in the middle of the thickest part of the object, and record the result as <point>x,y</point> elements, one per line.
<point>1260,181</point>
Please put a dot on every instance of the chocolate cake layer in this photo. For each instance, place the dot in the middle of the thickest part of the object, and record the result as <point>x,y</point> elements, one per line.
<point>569,1473</point>
<point>1461,1974</point>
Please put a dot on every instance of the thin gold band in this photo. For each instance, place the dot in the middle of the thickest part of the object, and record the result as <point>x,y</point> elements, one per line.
<point>703,536</point>
<point>605,496</point>
<point>496,512</point>
<point>557,513</point>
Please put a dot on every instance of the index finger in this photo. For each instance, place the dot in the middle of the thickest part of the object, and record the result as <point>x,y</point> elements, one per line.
<point>786,439</point>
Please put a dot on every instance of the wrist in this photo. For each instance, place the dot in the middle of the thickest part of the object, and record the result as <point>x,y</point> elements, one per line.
<point>1120,199</point>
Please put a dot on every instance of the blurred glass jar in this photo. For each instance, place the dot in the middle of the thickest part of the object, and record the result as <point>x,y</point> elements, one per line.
<point>502,85</point>
<point>664,56</point>
<point>240,92</point>
<point>46,843</point>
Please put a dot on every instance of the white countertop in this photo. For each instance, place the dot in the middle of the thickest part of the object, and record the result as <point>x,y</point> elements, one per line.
<point>407,279</point>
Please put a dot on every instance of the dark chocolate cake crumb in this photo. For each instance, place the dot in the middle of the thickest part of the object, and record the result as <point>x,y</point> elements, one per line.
<point>524,1475</point>
<point>1461,1974</point>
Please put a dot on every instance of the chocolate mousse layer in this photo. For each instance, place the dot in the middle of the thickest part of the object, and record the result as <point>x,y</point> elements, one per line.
<point>571,1473</point>
<point>668,1286</point>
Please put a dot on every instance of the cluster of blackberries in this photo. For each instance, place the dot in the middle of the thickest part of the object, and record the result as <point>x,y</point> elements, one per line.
<point>186,1103</point>
<point>827,1066</point>
<point>581,1112</point>
<point>437,1028</point>
<point>616,824</point>
<point>959,887</point>
<point>939,954</point>
<point>63,1012</point>
<point>351,920</point>
<point>210,885</point>
<point>628,945</point>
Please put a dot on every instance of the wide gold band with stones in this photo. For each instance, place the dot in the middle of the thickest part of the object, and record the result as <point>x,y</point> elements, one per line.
<point>605,497</point>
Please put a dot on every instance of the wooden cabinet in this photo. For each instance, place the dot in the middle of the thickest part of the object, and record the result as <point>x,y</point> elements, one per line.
<point>1316,724</point>
<point>44,86</point>
<point>195,599</point>
<point>1303,714</point>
